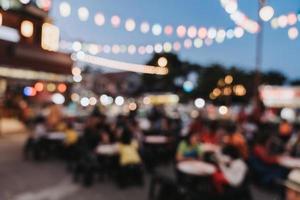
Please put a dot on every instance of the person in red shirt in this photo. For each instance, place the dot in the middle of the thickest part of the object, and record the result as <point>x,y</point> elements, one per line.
<point>210,136</point>
<point>264,163</point>
<point>196,126</point>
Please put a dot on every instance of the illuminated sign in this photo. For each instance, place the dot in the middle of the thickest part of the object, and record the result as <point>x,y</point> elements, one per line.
<point>280,96</point>
<point>9,34</point>
<point>50,37</point>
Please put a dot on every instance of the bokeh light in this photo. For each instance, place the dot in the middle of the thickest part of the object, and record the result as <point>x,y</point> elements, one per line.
<point>293,33</point>
<point>145,27</point>
<point>58,98</point>
<point>181,31</point>
<point>156,29</point>
<point>192,32</point>
<point>202,32</point>
<point>119,100</point>
<point>130,25</point>
<point>162,62</point>
<point>99,19</point>
<point>199,103</point>
<point>266,13</point>
<point>115,21</point>
<point>83,14</point>
<point>64,9</point>
<point>223,110</point>
<point>168,30</point>
<point>39,86</point>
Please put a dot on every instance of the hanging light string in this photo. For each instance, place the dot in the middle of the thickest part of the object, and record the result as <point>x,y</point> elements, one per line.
<point>266,13</point>
<point>118,65</point>
<point>168,46</point>
<point>241,20</point>
<point>130,24</point>
<point>238,17</point>
<point>284,21</point>
<point>290,20</point>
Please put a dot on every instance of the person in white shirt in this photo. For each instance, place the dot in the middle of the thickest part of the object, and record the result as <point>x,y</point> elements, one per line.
<point>232,171</point>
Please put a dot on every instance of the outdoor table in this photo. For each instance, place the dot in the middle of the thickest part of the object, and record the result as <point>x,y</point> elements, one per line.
<point>289,162</point>
<point>210,148</point>
<point>56,136</point>
<point>107,149</point>
<point>156,139</point>
<point>196,168</point>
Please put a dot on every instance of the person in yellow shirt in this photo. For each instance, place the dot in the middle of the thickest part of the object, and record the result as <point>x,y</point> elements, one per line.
<point>71,136</point>
<point>70,147</point>
<point>129,160</point>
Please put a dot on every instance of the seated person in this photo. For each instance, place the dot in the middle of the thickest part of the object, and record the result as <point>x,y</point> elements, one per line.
<point>129,160</point>
<point>265,164</point>
<point>189,148</point>
<point>232,171</point>
<point>293,186</point>
<point>293,145</point>
<point>35,140</point>
<point>71,135</point>
<point>285,130</point>
<point>105,137</point>
<point>235,137</point>
<point>210,136</point>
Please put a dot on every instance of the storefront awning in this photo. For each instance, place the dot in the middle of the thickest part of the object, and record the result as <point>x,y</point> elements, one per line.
<point>16,55</point>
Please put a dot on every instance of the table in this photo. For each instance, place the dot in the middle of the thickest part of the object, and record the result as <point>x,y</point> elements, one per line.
<point>210,148</point>
<point>196,168</point>
<point>107,149</point>
<point>156,139</point>
<point>289,162</point>
<point>56,136</point>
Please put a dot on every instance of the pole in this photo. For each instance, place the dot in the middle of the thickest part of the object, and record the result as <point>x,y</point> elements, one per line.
<point>259,53</point>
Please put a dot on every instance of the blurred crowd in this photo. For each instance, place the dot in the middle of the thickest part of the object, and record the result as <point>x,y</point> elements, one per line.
<point>123,148</point>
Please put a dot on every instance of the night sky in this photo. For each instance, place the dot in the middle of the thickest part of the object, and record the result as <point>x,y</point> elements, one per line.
<point>280,52</point>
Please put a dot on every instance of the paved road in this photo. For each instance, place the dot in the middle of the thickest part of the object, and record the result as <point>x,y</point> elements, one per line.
<point>27,180</point>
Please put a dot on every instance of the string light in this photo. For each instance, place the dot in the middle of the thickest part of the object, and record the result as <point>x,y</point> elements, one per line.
<point>192,32</point>
<point>130,25</point>
<point>162,62</point>
<point>27,28</point>
<point>198,43</point>
<point>115,21</point>
<point>293,33</point>
<point>181,31</point>
<point>156,29</point>
<point>266,13</point>
<point>62,87</point>
<point>64,9</point>
<point>93,101</point>
<point>145,27</point>
<point>58,98</point>
<point>238,17</point>
<point>99,19</point>
<point>199,103</point>
<point>223,110</point>
<point>51,87</point>
<point>119,100</point>
<point>83,14</point>
<point>39,87</point>
<point>75,97</point>
<point>123,65</point>
<point>168,30</point>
